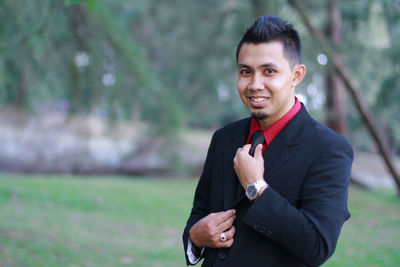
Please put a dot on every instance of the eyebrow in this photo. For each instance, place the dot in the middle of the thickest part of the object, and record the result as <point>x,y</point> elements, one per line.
<point>262,66</point>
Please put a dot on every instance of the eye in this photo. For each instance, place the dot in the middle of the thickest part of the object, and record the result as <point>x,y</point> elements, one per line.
<point>244,72</point>
<point>269,71</point>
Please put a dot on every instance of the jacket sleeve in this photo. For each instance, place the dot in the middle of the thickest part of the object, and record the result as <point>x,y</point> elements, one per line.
<point>201,202</point>
<point>311,229</point>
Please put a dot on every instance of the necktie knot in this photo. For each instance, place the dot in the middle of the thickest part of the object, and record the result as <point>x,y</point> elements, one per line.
<point>256,139</point>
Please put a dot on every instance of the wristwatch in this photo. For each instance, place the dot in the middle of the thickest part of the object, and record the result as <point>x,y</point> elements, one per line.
<point>253,189</point>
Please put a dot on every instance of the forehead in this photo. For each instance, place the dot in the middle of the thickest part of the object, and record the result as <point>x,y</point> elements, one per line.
<point>263,53</point>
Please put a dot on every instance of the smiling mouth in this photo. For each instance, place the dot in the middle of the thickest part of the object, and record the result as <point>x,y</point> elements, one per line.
<point>258,102</point>
<point>258,99</point>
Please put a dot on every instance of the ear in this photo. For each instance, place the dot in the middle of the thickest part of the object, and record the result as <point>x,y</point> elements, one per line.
<point>299,71</point>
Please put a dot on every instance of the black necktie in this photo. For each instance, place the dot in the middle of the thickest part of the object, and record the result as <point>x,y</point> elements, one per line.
<point>256,139</point>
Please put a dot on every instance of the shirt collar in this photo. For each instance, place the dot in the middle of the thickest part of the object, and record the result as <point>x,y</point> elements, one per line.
<point>271,132</point>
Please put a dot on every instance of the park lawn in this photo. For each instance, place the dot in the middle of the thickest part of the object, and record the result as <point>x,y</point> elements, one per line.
<point>121,221</point>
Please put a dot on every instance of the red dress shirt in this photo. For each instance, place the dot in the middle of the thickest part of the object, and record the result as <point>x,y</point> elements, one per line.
<point>271,132</point>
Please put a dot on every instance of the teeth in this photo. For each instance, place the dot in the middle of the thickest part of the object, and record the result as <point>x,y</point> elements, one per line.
<point>258,99</point>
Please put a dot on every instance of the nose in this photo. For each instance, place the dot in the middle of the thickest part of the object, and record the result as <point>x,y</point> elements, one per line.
<point>256,83</point>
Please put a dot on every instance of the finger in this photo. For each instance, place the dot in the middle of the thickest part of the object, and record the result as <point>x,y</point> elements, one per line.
<point>229,238</point>
<point>230,233</point>
<point>258,151</point>
<point>226,244</point>
<point>222,227</point>
<point>246,148</point>
<point>238,151</point>
<point>220,213</point>
<point>222,216</point>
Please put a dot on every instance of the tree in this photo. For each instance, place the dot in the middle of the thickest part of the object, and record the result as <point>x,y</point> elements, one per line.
<point>336,102</point>
<point>355,92</point>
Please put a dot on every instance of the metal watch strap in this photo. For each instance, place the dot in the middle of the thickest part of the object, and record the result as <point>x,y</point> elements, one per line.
<point>253,189</point>
<point>260,183</point>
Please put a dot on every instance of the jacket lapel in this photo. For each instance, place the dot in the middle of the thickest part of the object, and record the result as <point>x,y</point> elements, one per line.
<point>231,182</point>
<point>277,153</point>
<point>275,156</point>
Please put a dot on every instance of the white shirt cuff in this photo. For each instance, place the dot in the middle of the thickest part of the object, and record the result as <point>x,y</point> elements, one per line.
<point>193,253</point>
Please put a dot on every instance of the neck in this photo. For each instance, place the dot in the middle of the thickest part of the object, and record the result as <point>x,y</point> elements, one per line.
<point>267,122</point>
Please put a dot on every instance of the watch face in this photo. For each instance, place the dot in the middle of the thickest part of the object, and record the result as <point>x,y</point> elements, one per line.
<point>251,192</point>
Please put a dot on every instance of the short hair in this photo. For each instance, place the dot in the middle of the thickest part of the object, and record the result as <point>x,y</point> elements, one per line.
<point>271,28</point>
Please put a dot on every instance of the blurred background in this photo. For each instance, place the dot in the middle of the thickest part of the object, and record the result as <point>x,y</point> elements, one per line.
<point>121,91</point>
<point>116,86</point>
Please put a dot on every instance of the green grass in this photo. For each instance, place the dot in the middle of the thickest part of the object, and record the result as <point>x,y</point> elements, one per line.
<point>372,235</point>
<point>116,221</point>
<point>64,221</point>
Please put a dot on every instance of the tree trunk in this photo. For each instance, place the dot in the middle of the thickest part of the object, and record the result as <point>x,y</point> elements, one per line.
<point>79,92</point>
<point>355,93</point>
<point>21,91</point>
<point>336,101</point>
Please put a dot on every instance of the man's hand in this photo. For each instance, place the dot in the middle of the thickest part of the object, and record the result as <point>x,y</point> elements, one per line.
<point>249,169</point>
<point>206,232</point>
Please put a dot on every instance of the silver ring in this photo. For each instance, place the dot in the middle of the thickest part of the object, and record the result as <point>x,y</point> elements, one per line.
<point>222,237</point>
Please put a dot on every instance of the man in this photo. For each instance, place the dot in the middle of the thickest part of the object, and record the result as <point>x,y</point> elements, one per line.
<point>285,205</point>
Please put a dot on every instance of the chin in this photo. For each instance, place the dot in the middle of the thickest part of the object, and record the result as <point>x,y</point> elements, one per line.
<point>259,115</point>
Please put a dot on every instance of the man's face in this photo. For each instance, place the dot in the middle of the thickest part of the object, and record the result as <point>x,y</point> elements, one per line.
<point>266,82</point>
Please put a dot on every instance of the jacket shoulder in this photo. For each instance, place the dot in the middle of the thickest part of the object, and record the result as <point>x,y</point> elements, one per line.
<point>240,125</point>
<point>325,137</point>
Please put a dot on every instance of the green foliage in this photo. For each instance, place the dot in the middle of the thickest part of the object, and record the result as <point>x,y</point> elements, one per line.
<point>173,62</point>
<point>72,2</point>
<point>76,221</point>
<point>75,56</point>
<point>371,50</point>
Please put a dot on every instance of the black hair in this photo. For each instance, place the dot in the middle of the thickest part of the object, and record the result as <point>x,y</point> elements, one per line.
<point>271,28</point>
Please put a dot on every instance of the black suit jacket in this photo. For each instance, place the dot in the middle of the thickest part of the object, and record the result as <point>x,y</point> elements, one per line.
<point>297,220</point>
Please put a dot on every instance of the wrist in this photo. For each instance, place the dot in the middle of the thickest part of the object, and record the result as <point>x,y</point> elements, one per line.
<point>253,190</point>
<point>192,239</point>
<point>262,189</point>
